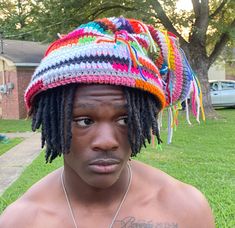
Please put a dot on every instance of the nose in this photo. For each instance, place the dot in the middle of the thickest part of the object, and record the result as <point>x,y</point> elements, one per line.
<point>105,138</point>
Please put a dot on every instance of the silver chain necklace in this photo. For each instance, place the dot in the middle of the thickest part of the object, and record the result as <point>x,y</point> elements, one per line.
<point>118,209</point>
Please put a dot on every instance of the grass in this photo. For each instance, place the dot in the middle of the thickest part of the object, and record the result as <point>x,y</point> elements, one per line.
<point>31,174</point>
<point>5,146</point>
<point>202,155</point>
<point>7,126</point>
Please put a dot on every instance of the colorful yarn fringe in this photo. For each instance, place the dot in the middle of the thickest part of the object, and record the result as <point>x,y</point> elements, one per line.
<point>120,51</point>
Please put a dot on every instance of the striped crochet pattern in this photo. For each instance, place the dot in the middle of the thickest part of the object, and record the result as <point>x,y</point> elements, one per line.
<point>117,51</point>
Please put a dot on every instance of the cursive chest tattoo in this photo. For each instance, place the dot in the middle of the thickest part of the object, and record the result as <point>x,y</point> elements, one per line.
<point>132,222</point>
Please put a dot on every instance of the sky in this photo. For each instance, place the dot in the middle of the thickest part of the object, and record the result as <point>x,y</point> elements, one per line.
<point>184,4</point>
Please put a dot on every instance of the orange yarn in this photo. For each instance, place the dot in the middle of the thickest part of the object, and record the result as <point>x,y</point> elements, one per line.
<point>137,27</point>
<point>152,89</point>
<point>60,43</point>
<point>149,66</point>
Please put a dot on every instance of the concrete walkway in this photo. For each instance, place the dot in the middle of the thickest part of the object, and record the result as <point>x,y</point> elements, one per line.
<point>14,161</point>
<point>19,134</point>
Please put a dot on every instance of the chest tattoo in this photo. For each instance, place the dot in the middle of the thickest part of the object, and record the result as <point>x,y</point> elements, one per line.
<point>132,222</point>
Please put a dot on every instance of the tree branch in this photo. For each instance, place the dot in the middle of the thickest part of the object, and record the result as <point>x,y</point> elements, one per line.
<point>224,38</point>
<point>196,8</point>
<point>166,21</point>
<point>218,10</point>
<point>204,16</point>
<point>199,28</point>
<point>110,7</point>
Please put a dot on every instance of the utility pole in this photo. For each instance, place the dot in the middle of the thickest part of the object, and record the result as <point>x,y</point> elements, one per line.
<point>1,40</point>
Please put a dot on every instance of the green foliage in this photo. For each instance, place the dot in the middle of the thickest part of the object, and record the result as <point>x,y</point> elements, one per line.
<point>220,23</point>
<point>14,126</point>
<point>8,144</point>
<point>201,155</point>
<point>42,20</point>
<point>16,17</point>
<point>50,17</point>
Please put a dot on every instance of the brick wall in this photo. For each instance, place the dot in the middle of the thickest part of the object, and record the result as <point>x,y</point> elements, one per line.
<point>24,75</point>
<point>12,103</point>
<point>9,101</point>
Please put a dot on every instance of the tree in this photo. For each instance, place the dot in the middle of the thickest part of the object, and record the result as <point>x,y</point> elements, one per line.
<point>15,18</point>
<point>58,16</point>
<point>42,20</point>
<point>211,26</point>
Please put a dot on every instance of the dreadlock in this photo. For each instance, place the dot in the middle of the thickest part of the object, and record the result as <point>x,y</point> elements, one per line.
<point>52,109</point>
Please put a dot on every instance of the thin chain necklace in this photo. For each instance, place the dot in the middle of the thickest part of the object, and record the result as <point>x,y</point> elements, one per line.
<point>118,209</point>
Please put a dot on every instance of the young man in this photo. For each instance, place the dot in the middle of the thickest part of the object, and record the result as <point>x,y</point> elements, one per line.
<point>96,94</point>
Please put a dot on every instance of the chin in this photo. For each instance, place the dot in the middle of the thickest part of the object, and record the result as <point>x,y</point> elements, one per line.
<point>102,181</point>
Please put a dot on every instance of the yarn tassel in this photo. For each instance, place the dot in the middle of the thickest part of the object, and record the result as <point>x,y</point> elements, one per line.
<point>187,111</point>
<point>139,65</point>
<point>176,116</point>
<point>198,99</point>
<point>194,100</point>
<point>198,109</point>
<point>174,120</point>
<point>152,44</point>
<point>170,129</point>
<point>169,50</point>
<point>160,120</point>
<point>200,96</point>
<point>137,42</point>
<point>159,147</point>
<point>153,140</point>
<point>129,60</point>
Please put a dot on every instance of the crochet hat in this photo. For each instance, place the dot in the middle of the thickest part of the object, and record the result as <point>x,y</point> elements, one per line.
<point>116,51</point>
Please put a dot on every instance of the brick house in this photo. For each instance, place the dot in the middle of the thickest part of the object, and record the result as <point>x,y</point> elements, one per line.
<point>18,60</point>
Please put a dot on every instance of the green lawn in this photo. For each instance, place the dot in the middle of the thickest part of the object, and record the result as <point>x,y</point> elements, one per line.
<point>7,145</point>
<point>202,155</point>
<point>15,126</point>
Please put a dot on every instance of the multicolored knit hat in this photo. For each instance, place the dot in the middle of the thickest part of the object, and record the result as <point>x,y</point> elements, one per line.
<point>117,51</point>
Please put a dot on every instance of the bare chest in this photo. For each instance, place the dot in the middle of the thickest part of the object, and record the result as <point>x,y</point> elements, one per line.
<point>129,217</point>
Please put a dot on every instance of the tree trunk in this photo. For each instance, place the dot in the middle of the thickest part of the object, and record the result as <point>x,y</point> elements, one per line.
<point>201,71</point>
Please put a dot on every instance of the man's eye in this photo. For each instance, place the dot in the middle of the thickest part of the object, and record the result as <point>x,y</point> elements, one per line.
<point>84,122</point>
<point>123,120</point>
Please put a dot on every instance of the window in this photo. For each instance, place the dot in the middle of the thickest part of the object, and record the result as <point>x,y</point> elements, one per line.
<point>214,86</point>
<point>227,85</point>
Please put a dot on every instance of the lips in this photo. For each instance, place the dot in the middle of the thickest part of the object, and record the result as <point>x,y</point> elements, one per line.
<point>104,166</point>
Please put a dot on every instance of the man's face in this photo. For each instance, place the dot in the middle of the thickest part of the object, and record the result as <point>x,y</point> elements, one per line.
<point>99,147</point>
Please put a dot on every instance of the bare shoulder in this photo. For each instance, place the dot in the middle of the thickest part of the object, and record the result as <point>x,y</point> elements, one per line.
<point>182,202</point>
<point>18,214</point>
<point>27,210</point>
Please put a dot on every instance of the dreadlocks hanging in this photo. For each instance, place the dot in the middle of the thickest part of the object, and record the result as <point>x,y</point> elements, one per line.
<point>52,110</point>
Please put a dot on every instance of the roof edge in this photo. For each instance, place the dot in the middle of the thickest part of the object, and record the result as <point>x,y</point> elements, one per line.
<point>7,60</point>
<point>27,64</point>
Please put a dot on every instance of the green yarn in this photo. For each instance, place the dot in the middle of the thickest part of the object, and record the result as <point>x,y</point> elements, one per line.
<point>86,40</point>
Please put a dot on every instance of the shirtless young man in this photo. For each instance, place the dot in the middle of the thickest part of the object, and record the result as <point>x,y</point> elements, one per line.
<point>96,94</point>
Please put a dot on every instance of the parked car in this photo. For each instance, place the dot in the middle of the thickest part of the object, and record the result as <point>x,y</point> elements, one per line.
<point>222,93</point>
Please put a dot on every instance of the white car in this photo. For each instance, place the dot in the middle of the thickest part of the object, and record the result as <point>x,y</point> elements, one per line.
<point>222,93</point>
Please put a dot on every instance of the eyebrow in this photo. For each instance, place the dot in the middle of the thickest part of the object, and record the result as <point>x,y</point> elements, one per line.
<point>91,106</point>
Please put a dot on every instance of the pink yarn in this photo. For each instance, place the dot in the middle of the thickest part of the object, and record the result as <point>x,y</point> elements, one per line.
<point>194,101</point>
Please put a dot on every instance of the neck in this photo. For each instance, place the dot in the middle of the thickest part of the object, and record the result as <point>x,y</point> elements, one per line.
<point>81,192</point>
